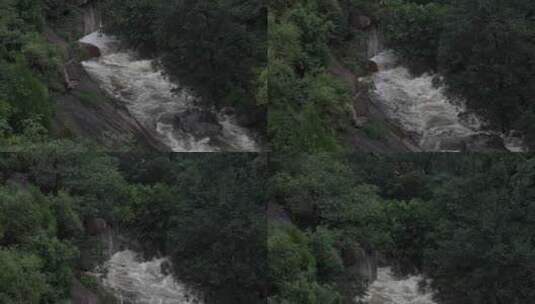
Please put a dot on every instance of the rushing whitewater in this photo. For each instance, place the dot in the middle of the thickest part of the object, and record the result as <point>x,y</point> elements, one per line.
<point>390,290</point>
<point>138,282</point>
<point>419,107</point>
<point>149,97</point>
<point>435,122</point>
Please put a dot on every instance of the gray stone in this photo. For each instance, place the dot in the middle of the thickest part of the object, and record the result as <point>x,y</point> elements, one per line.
<point>361,22</point>
<point>361,261</point>
<point>95,226</point>
<point>82,295</point>
<point>200,123</point>
<point>90,50</point>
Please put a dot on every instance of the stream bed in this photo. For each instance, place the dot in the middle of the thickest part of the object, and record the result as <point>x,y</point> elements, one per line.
<point>434,121</point>
<point>157,104</point>
<point>388,289</point>
<point>134,281</point>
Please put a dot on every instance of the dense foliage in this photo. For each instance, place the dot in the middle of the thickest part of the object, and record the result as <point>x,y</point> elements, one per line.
<point>305,100</point>
<point>205,211</point>
<point>28,67</point>
<point>484,49</point>
<point>216,48</point>
<point>464,221</point>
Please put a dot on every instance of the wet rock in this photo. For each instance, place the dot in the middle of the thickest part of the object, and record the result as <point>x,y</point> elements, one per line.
<point>361,22</point>
<point>91,50</point>
<point>199,123</point>
<point>82,295</point>
<point>228,111</point>
<point>95,226</point>
<point>360,261</point>
<point>166,268</point>
<point>485,143</point>
<point>372,66</point>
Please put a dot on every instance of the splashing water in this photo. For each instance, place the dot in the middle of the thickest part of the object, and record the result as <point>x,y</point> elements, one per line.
<point>149,97</point>
<point>389,290</point>
<point>139,282</point>
<point>423,109</point>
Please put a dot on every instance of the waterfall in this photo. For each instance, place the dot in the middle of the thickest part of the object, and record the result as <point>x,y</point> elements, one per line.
<point>375,42</point>
<point>92,18</point>
<point>388,289</point>
<point>142,282</point>
<point>150,97</point>
<point>423,110</point>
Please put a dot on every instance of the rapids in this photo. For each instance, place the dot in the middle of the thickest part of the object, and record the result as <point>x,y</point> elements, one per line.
<point>149,97</point>
<point>137,282</point>
<point>422,109</point>
<point>388,289</point>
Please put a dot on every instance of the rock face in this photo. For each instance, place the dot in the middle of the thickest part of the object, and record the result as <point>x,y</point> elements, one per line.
<point>361,261</point>
<point>82,295</point>
<point>104,121</point>
<point>372,67</point>
<point>200,123</point>
<point>95,226</point>
<point>92,19</point>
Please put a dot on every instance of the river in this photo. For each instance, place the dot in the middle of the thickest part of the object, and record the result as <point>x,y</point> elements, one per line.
<point>388,289</point>
<point>433,120</point>
<point>135,281</point>
<point>153,100</point>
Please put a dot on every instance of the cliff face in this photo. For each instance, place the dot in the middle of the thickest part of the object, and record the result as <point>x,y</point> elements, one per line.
<point>92,18</point>
<point>83,110</point>
<point>370,130</point>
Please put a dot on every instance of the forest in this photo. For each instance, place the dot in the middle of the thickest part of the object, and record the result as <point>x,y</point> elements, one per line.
<point>483,50</point>
<point>339,94</point>
<point>44,88</point>
<point>465,221</point>
<point>211,225</point>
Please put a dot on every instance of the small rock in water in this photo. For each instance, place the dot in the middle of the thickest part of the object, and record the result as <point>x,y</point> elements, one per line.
<point>199,123</point>
<point>372,66</point>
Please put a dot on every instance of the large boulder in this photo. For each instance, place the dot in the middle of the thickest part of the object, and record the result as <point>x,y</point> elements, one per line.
<point>200,123</point>
<point>361,22</point>
<point>96,226</point>
<point>90,50</point>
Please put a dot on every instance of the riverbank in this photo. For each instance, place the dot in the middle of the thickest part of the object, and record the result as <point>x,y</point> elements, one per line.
<point>83,111</point>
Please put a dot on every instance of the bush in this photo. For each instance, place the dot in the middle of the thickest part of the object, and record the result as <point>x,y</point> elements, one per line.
<point>27,96</point>
<point>375,130</point>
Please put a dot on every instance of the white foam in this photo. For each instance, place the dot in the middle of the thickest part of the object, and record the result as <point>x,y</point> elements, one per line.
<point>148,95</point>
<point>140,282</point>
<point>390,290</point>
<point>424,109</point>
